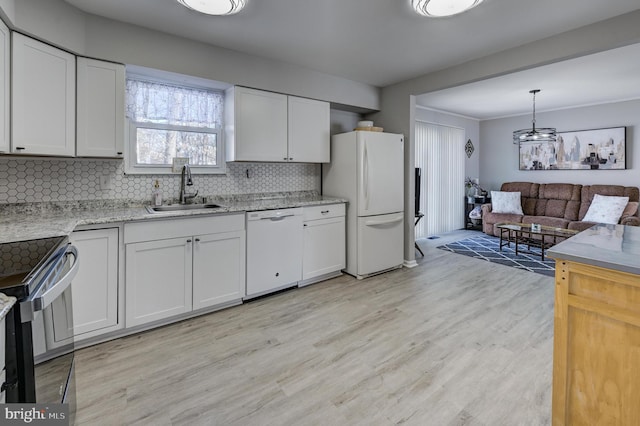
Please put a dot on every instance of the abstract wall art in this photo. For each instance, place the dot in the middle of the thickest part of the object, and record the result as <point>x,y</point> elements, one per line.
<point>598,149</point>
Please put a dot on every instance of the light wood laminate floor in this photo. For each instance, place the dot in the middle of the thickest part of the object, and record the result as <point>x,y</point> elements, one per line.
<point>454,341</point>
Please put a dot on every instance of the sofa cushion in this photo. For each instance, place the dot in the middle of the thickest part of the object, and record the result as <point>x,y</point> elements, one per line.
<point>605,209</point>
<point>588,191</point>
<point>528,194</point>
<point>555,222</point>
<point>558,200</point>
<point>506,202</point>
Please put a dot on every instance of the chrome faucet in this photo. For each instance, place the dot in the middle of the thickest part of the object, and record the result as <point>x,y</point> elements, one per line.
<point>186,180</point>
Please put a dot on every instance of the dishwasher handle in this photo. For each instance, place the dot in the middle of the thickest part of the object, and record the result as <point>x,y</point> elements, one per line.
<point>276,218</point>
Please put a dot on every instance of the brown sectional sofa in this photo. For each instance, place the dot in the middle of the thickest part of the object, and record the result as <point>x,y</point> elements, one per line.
<point>561,205</point>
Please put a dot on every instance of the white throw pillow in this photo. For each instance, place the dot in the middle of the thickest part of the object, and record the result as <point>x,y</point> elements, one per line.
<point>506,202</point>
<point>604,209</point>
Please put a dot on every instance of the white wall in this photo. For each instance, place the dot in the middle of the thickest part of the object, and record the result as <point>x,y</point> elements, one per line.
<point>343,121</point>
<point>499,156</point>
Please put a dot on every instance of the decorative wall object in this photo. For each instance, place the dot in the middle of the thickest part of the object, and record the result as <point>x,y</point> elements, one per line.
<point>468,148</point>
<point>599,149</point>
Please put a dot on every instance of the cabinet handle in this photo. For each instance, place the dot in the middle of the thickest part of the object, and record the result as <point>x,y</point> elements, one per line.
<point>197,240</point>
<point>188,241</point>
<point>285,158</point>
<point>118,153</point>
<point>324,211</point>
<point>290,158</point>
<point>304,225</point>
<point>20,148</point>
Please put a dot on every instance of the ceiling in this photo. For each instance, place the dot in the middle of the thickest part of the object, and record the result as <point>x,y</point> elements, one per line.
<point>604,77</point>
<point>381,42</point>
<point>378,42</point>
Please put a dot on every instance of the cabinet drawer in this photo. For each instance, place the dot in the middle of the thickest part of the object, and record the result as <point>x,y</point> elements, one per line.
<point>323,212</point>
<point>174,228</point>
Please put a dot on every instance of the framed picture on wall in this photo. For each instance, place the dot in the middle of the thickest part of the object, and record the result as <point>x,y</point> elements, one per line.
<point>597,149</point>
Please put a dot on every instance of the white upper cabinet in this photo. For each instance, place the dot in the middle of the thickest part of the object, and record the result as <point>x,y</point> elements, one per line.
<point>266,126</point>
<point>258,122</point>
<point>308,132</point>
<point>100,120</point>
<point>43,99</point>
<point>5,70</point>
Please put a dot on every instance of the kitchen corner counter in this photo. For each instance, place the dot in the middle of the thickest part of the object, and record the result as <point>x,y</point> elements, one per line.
<point>45,220</point>
<point>615,247</point>
<point>6,303</point>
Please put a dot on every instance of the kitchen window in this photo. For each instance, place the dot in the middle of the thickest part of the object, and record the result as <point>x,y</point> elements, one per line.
<point>168,120</point>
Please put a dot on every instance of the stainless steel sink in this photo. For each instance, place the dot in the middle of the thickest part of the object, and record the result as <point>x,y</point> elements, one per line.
<point>181,207</point>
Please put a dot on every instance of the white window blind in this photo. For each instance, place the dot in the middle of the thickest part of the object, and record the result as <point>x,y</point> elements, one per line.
<point>170,121</point>
<point>440,155</point>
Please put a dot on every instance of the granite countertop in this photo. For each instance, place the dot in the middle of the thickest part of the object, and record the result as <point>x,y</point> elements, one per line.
<point>20,222</point>
<point>614,247</point>
<point>6,302</point>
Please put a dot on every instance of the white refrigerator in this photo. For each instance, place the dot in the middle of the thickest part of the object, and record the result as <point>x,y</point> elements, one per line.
<point>367,168</point>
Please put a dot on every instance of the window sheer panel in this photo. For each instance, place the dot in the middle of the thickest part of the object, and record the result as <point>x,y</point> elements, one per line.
<point>171,121</point>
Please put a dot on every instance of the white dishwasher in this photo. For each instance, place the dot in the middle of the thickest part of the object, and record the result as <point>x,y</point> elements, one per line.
<point>274,250</point>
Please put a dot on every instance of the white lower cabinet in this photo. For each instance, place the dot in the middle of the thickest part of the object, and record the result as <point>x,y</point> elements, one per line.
<point>90,306</point>
<point>324,242</point>
<point>176,266</point>
<point>218,268</point>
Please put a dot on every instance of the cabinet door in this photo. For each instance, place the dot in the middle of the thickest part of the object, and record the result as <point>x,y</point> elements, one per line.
<point>218,268</point>
<point>5,78</point>
<point>260,126</point>
<point>43,99</point>
<point>100,123</point>
<point>324,247</point>
<point>91,304</point>
<point>158,280</point>
<point>308,130</point>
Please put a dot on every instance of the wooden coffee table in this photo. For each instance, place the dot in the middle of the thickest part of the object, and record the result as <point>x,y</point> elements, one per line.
<point>521,234</point>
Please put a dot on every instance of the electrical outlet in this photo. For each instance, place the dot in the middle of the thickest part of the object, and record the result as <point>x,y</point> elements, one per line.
<point>105,182</point>
<point>178,163</point>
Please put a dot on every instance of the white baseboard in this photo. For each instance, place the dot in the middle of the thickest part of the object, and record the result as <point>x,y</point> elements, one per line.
<point>410,264</point>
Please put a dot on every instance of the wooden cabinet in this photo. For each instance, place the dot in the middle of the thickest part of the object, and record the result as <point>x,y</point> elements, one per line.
<point>43,99</point>
<point>90,307</point>
<point>596,354</point>
<point>309,138</point>
<point>5,94</point>
<point>266,126</point>
<point>324,252</point>
<point>176,266</point>
<point>100,121</point>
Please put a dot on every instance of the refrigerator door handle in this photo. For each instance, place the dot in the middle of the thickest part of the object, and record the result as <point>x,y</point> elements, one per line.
<point>383,222</point>
<point>365,179</point>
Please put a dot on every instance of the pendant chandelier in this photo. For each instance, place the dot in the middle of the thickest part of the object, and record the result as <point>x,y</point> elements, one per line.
<point>543,134</point>
<point>214,7</point>
<point>440,8</point>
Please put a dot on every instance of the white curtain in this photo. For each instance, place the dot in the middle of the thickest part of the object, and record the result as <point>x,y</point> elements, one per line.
<point>440,155</point>
<point>152,102</point>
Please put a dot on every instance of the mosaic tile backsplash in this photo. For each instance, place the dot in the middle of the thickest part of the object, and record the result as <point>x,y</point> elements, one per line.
<point>34,180</point>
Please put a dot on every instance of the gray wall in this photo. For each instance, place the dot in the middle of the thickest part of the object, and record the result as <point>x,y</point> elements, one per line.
<point>499,156</point>
<point>61,24</point>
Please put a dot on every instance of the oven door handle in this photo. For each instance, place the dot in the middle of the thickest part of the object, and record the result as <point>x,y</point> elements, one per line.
<point>41,299</point>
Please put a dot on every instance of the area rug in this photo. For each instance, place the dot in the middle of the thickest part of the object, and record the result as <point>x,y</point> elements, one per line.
<point>487,248</point>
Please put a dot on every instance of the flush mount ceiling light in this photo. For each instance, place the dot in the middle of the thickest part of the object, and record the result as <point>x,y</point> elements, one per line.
<point>543,134</point>
<point>440,8</point>
<point>214,7</point>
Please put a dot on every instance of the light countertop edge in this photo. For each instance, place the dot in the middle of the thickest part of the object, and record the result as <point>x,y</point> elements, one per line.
<point>6,302</point>
<point>45,224</point>
<point>615,247</point>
